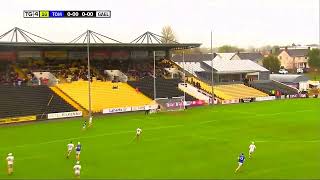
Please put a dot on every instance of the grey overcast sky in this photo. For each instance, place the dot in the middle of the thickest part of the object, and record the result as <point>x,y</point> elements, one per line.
<point>237,22</point>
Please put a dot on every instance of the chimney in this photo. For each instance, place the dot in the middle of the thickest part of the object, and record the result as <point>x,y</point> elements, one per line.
<point>286,48</point>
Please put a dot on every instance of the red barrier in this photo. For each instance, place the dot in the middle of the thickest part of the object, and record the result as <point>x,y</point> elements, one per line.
<point>8,55</point>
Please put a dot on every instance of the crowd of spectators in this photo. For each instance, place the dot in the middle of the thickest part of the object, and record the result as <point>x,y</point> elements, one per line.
<point>10,77</point>
<point>74,74</point>
<point>145,68</point>
<point>195,84</point>
<point>77,70</point>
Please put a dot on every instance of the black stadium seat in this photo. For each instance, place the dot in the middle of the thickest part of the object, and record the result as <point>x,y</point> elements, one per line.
<point>267,86</point>
<point>166,88</point>
<point>30,100</point>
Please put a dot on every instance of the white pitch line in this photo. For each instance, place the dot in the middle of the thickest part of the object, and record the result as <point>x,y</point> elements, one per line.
<point>206,122</point>
<point>290,141</point>
<point>125,132</point>
<point>89,137</point>
<point>267,114</point>
<point>286,112</point>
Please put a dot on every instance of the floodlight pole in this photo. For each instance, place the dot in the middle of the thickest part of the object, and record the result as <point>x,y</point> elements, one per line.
<point>184,81</point>
<point>89,75</point>
<point>154,76</point>
<point>212,95</point>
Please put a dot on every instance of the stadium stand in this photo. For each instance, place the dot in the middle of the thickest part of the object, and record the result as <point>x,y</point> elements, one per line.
<point>195,92</point>
<point>30,100</point>
<point>165,88</point>
<point>238,91</point>
<point>228,91</point>
<point>69,100</point>
<point>269,86</point>
<point>104,95</point>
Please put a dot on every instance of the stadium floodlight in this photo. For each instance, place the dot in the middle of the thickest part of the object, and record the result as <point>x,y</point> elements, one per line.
<point>154,76</point>
<point>89,76</point>
<point>212,95</point>
<point>184,81</point>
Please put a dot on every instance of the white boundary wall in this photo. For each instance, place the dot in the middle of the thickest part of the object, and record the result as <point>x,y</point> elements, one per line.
<point>193,91</point>
<point>65,115</point>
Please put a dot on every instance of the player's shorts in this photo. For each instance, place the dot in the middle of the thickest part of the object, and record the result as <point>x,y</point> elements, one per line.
<point>78,152</point>
<point>240,163</point>
<point>251,151</point>
<point>10,165</point>
<point>77,173</point>
<point>138,134</point>
<point>69,150</point>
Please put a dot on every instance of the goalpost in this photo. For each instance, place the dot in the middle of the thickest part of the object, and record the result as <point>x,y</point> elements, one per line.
<point>171,104</point>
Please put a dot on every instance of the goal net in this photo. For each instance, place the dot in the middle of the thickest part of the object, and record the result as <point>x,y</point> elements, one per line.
<point>171,104</point>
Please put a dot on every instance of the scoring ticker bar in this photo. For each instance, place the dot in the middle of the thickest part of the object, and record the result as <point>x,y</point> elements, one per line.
<point>66,14</point>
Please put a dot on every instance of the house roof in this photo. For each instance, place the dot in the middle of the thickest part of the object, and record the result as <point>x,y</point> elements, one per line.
<point>235,66</point>
<point>224,56</point>
<point>288,78</point>
<point>297,52</point>
<point>253,56</point>
<point>191,66</point>
<point>192,57</point>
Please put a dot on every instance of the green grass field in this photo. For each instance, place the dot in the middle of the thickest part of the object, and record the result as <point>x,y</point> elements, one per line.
<point>315,76</point>
<point>198,143</point>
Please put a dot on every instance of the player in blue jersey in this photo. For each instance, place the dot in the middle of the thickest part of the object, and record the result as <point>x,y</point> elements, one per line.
<point>240,161</point>
<point>78,150</point>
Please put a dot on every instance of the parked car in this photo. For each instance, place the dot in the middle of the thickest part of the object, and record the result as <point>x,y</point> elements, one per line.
<point>299,71</point>
<point>283,71</point>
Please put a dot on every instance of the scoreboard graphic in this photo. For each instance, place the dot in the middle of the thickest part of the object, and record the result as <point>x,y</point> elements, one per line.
<point>66,14</point>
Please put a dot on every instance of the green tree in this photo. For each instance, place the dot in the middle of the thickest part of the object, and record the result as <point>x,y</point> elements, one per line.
<point>229,49</point>
<point>272,63</point>
<point>275,50</point>
<point>314,58</point>
<point>168,35</point>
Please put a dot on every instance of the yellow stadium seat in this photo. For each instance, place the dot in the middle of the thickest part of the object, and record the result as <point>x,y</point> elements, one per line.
<point>103,95</point>
<point>230,91</point>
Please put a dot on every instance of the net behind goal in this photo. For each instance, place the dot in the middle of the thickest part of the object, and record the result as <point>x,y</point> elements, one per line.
<point>171,104</point>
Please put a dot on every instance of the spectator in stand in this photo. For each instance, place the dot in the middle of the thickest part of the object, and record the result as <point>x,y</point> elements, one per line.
<point>19,82</point>
<point>137,90</point>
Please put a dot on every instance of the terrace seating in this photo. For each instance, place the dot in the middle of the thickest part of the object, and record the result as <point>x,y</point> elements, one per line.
<point>269,86</point>
<point>165,88</point>
<point>30,100</point>
<point>238,91</point>
<point>104,95</point>
<point>230,91</point>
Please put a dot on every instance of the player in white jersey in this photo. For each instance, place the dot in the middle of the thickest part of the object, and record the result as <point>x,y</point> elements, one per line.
<point>70,147</point>
<point>90,121</point>
<point>77,169</point>
<point>10,160</point>
<point>252,147</point>
<point>138,133</point>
